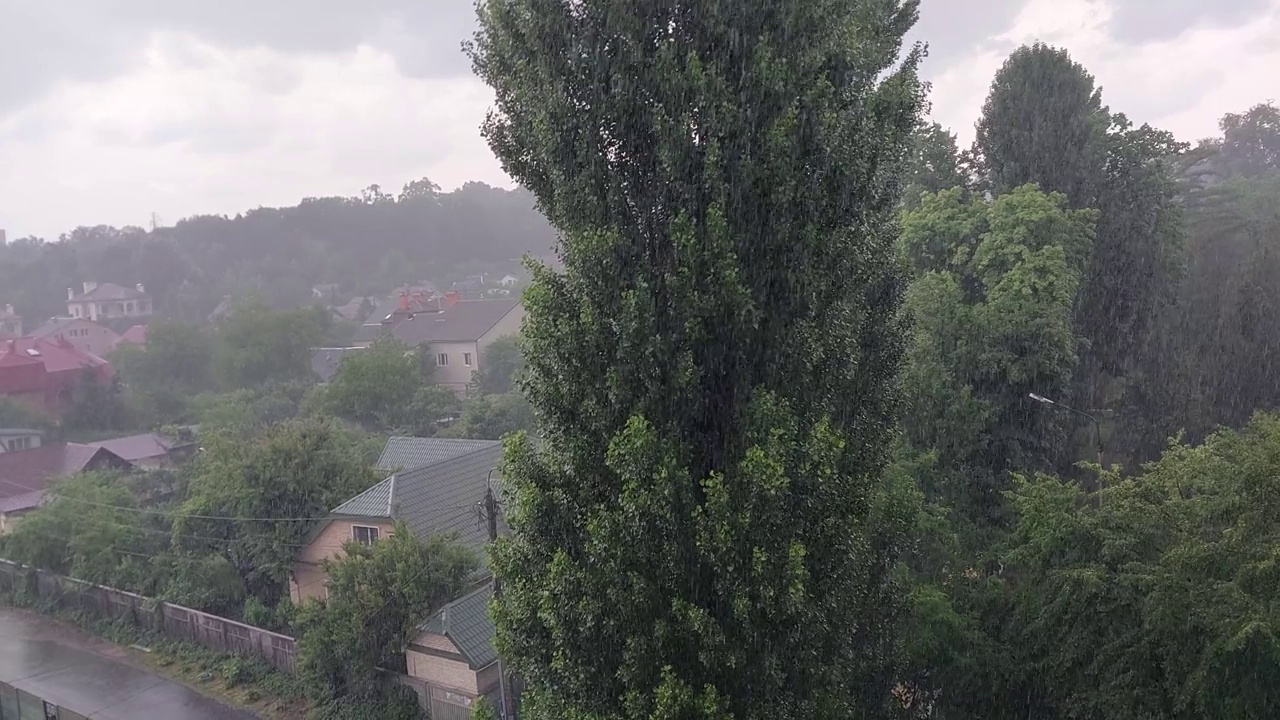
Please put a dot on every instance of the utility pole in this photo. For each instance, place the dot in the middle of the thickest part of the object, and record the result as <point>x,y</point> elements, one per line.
<point>491,518</point>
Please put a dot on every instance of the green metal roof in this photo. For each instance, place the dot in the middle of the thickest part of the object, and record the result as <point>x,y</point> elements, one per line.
<point>409,453</point>
<point>466,623</point>
<point>374,502</point>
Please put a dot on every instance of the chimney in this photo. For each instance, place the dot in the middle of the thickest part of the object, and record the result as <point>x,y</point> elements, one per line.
<point>71,294</point>
<point>89,286</point>
<point>404,300</point>
<point>451,298</point>
<point>140,288</point>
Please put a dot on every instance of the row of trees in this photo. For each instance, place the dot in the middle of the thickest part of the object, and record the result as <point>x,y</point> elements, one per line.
<point>365,244</point>
<point>723,520</point>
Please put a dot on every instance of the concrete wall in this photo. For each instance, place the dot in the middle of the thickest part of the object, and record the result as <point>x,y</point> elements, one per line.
<point>309,578</point>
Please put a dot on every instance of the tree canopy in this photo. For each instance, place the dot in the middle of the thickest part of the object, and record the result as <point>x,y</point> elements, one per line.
<point>703,531</point>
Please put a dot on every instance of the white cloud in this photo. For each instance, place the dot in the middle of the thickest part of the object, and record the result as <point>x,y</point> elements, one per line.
<point>185,125</point>
<point>1182,84</point>
<point>197,128</point>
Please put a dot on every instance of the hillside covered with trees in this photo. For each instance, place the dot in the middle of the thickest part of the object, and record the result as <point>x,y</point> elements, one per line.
<point>366,245</point>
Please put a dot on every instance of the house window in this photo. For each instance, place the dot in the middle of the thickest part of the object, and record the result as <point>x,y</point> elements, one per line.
<point>364,535</point>
<point>466,359</point>
<point>442,359</point>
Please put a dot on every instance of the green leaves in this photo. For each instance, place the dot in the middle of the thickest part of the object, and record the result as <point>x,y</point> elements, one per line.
<point>378,595</point>
<point>701,530</point>
<point>992,308</point>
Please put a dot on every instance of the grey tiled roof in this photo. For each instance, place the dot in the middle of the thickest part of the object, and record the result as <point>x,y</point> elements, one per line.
<point>464,321</point>
<point>466,623</point>
<point>407,453</point>
<point>444,498</point>
<point>374,502</point>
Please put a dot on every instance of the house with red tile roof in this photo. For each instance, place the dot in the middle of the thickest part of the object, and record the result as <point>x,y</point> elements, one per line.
<point>44,374</point>
<point>25,476</point>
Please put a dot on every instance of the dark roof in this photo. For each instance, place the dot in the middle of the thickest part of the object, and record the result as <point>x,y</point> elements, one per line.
<point>137,447</point>
<point>442,498</point>
<point>29,472</point>
<point>109,291</point>
<point>466,623</point>
<point>325,361</point>
<point>464,321</point>
<point>407,453</point>
<point>372,503</point>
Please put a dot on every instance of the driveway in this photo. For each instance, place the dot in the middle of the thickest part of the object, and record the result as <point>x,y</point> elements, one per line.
<point>93,677</point>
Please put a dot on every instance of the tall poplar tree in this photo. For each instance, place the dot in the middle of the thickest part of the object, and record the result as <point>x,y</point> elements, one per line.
<point>703,530</point>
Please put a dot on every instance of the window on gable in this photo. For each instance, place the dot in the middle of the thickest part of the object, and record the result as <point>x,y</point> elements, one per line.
<point>466,359</point>
<point>442,359</point>
<point>364,535</point>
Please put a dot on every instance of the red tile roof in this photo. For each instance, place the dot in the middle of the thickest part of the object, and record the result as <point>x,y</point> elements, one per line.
<point>56,356</point>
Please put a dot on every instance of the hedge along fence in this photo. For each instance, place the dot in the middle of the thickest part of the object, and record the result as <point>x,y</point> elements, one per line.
<point>174,620</point>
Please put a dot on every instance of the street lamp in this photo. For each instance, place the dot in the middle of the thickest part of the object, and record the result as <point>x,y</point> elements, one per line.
<point>1097,426</point>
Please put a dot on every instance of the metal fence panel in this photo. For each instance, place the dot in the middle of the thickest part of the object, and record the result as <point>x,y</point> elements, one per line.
<point>8,702</point>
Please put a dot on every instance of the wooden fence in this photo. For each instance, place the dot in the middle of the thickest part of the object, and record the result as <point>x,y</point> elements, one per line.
<point>175,620</point>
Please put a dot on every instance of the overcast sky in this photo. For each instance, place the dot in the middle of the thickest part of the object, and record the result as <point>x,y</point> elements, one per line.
<point>111,110</point>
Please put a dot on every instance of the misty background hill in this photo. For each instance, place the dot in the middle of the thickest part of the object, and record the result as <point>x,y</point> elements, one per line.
<point>365,244</point>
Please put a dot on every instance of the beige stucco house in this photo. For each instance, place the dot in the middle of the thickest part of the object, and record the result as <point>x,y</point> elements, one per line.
<point>435,487</point>
<point>83,334</point>
<point>455,331</point>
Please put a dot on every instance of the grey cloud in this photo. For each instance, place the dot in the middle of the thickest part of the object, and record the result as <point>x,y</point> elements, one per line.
<point>98,39</point>
<point>954,28</point>
<point>1141,21</point>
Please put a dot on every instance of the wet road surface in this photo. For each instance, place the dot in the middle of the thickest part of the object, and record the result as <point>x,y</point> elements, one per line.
<point>93,677</point>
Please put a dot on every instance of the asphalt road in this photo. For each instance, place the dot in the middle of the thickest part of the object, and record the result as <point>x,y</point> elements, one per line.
<point>93,677</point>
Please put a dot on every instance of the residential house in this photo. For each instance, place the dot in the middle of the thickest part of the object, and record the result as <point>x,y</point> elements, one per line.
<point>25,476</point>
<point>108,301</point>
<point>148,450</point>
<point>456,331</point>
<point>45,374</point>
<point>454,656</point>
<point>325,292</point>
<point>441,497</point>
<point>19,439</point>
<point>325,361</point>
<point>509,280</point>
<point>10,322</point>
<point>437,487</point>
<point>84,334</point>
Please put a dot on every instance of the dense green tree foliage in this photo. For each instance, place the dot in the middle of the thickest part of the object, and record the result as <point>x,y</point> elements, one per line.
<point>300,469</point>
<point>500,367</point>
<point>376,386</point>
<point>257,345</point>
<point>992,302</point>
<point>704,531</point>
<point>377,597</point>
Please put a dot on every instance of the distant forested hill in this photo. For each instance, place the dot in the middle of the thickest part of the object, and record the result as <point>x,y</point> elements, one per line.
<point>364,244</point>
